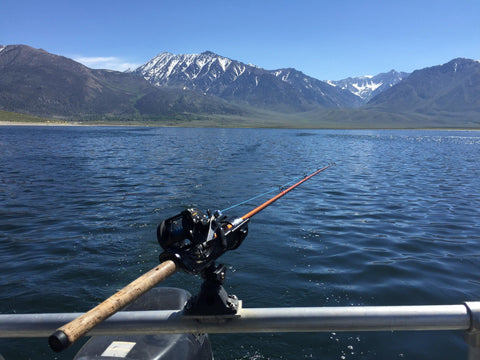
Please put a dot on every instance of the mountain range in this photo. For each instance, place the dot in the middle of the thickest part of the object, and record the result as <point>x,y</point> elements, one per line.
<point>209,73</point>
<point>229,92</point>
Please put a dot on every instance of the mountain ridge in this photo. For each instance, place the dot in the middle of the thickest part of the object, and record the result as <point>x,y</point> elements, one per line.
<point>453,87</point>
<point>36,82</point>
<point>232,80</point>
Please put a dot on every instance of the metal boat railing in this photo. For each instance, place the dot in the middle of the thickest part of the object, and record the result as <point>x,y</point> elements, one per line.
<point>464,317</point>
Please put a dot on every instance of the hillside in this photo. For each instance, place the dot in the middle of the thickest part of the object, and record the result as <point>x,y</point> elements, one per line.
<point>453,87</point>
<point>36,82</point>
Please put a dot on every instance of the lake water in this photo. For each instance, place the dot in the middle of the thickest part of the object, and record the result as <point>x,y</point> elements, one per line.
<point>395,222</point>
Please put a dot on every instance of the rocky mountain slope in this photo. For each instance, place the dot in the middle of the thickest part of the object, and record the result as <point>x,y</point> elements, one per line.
<point>209,73</point>
<point>451,87</point>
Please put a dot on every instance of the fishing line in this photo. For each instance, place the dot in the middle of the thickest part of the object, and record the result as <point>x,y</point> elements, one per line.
<point>280,187</point>
<point>260,195</point>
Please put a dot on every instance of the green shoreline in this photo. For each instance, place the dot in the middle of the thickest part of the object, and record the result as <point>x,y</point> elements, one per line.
<point>328,119</point>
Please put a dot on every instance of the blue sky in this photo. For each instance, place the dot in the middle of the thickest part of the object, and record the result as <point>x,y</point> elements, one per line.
<point>329,40</point>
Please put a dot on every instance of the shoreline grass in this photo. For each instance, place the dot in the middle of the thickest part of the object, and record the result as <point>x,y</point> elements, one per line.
<point>342,119</point>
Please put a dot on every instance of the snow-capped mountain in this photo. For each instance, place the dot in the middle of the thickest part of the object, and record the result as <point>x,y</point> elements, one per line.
<point>189,70</point>
<point>367,87</point>
<point>284,89</point>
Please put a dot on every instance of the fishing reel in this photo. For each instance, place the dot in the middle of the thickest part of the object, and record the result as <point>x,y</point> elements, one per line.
<point>194,240</point>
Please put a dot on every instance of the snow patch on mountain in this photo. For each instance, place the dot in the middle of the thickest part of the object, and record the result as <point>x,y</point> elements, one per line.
<point>366,87</point>
<point>224,62</point>
<point>238,71</point>
<point>281,74</point>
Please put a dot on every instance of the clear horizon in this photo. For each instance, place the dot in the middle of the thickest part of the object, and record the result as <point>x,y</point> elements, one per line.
<point>325,40</point>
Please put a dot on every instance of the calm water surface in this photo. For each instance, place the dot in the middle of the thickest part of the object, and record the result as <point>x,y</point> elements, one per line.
<point>395,222</point>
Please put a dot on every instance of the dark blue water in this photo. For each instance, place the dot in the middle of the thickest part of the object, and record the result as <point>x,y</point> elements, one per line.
<point>395,222</point>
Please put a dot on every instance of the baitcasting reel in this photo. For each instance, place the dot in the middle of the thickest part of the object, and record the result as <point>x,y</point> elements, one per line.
<point>194,240</point>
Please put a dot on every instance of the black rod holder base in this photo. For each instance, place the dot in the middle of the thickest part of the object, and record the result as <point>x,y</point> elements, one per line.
<point>212,298</point>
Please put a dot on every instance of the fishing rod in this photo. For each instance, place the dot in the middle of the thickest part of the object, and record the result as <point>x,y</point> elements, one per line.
<point>195,239</point>
<point>192,241</point>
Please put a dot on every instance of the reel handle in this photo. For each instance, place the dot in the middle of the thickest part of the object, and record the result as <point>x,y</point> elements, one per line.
<point>66,335</point>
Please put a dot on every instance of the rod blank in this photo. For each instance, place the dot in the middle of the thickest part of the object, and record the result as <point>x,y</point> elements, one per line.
<point>282,193</point>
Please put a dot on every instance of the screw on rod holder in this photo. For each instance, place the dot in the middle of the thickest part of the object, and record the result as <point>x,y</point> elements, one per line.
<point>212,299</point>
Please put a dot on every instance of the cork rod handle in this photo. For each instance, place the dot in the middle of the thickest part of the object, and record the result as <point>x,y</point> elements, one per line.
<point>66,335</point>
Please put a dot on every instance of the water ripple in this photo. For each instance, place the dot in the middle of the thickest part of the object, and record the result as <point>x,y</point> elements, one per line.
<point>395,222</point>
